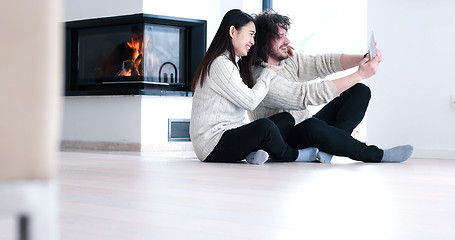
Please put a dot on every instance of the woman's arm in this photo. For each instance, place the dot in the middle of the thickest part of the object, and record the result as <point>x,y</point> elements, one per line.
<point>225,80</point>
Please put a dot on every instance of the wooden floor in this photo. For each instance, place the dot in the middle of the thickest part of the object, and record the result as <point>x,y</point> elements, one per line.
<point>133,196</point>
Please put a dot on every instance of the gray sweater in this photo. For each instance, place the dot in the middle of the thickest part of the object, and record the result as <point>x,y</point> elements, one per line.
<point>221,103</point>
<point>292,89</point>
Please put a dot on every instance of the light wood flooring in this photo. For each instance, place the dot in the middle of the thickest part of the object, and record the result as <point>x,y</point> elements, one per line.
<point>134,196</point>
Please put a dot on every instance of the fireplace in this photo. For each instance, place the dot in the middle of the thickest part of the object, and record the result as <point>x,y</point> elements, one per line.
<point>136,54</point>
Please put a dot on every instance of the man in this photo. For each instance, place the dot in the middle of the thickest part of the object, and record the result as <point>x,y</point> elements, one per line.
<point>292,91</point>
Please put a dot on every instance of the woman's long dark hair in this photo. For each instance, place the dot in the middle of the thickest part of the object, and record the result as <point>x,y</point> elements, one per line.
<point>222,43</point>
<point>267,24</point>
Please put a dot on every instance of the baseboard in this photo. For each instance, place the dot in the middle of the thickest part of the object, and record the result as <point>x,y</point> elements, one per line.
<point>116,146</point>
<point>169,146</point>
<point>101,146</point>
<point>434,153</point>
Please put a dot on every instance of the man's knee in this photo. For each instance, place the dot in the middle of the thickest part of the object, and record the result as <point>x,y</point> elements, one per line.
<point>311,127</point>
<point>363,90</point>
<point>307,133</point>
<point>314,124</point>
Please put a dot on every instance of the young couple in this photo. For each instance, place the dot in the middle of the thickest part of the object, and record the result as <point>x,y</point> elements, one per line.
<point>250,66</point>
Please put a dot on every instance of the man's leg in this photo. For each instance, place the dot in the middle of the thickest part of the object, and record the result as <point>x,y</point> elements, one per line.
<point>314,132</point>
<point>346,111</point>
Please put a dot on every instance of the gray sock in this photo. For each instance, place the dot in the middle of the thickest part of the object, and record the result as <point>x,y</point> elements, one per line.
<point>257,158</point>
<point>397,154</point>
<point>324,157</point>
<point>307,154</point>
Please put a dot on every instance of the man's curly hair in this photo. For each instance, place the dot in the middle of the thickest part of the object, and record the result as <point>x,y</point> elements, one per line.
<point>267,24</point>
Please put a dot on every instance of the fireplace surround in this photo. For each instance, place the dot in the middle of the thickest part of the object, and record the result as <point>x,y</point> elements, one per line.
<point>139,54</point>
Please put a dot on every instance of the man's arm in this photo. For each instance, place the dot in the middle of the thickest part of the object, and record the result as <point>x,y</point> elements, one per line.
<point>367,68</point>
<point>288,95</point>
<point>310,67</point>
<point>350,61</point>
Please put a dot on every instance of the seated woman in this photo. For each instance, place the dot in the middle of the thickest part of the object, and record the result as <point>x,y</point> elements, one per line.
<point>224,89</point>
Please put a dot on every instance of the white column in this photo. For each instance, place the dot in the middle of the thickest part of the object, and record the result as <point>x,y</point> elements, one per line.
<point>31,83</point>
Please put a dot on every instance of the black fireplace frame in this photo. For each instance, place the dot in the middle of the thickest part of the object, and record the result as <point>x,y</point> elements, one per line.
<point>194,49</point>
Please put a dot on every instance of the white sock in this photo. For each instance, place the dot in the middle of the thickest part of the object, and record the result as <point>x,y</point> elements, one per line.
<point>397,154</point>
<point>324,157</point>
<point>257,158</point>
<point>307,154</point>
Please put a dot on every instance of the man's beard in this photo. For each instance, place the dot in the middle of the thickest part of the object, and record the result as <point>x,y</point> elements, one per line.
<point>278,57</point>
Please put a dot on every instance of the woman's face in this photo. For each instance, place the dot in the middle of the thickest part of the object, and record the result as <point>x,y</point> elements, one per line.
<point>243,38</point>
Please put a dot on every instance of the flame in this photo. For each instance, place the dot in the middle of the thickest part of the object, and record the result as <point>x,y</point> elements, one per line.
<point>136,46</point>
<point>131,66</point>
<point>128,73</point>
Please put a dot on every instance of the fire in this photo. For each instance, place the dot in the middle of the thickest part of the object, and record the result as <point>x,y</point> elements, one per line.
<point>128,73</point>
<point>132,66</point>
<point>136,46</point>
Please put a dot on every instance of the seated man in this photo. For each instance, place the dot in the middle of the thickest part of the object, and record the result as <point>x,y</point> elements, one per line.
<point>292,90</point>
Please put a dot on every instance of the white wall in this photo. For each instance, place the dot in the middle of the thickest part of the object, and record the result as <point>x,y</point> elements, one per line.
<point>154,121</point>
<point>210,10</point>
<point>83,9</point>
<point>411,92</point>
<point>102,119</point>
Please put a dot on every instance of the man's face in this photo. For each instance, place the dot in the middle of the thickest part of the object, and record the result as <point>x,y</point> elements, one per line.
<point>279,50</point>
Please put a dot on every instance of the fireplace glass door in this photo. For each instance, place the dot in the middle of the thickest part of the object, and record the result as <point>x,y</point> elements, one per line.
<point>132,53</point>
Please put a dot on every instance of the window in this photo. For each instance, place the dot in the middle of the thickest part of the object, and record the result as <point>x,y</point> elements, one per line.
<point>326,26</point>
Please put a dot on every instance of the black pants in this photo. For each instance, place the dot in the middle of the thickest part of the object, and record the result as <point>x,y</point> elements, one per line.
<point>330,129</point>
<point>269,134</point>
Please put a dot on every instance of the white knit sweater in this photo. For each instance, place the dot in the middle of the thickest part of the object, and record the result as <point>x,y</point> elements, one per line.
<point>292,89</point>
<point>220,104</point>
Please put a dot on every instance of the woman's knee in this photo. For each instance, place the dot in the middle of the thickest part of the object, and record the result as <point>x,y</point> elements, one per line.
<point>264,124</point>
<point>286,117</point>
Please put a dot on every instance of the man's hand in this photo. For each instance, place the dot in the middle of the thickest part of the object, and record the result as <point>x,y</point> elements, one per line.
<point>367,67</point>
<point>378,53</point>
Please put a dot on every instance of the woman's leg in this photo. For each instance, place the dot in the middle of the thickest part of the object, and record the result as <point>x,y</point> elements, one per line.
<point>346,111</point>
<point>236,144</point>
<point>285,122</point>
<point>314,132</point>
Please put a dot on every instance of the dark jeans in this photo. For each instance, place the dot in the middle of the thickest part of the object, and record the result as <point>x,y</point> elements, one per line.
<point>330,129</point>
<point>269,134</point>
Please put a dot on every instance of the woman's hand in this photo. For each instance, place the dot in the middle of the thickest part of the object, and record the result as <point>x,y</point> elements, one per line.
<point>271,67</point>
<point>290,50</point>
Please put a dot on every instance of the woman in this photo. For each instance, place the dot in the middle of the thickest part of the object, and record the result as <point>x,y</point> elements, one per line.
<point>223,90</point>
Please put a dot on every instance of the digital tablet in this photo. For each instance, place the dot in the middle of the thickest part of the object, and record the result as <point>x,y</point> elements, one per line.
<point>372,47</point>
